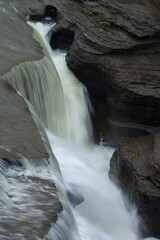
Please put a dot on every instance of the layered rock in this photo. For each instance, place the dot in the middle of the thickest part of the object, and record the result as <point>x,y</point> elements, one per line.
<point>135,167</point>
<point>115,53</point>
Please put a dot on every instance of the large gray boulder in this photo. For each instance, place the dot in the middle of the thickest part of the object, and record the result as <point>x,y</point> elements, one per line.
<point>19,135</point>
<point>16,42</point>
<point>135,167</point>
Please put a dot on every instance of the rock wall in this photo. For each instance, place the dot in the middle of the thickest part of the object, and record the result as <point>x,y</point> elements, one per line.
<point>135,167</point>
<point>115,53</point>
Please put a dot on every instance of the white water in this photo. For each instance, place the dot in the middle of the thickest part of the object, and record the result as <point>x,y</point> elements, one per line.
<point>76,126</point>
<point>103,213</point>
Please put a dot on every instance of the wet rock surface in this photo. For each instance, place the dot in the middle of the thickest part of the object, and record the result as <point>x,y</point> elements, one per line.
<point>28,205</point>
<point>115,53</point>
<point>74,195</point>
<point>19,136</point>
<point>16,42</point>
<point>135,167</point>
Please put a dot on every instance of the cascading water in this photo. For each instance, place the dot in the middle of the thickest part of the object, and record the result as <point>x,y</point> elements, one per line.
<point>61,104</point>
<point>102,213</point>
<point>47,97</point>
<point>76,115</point>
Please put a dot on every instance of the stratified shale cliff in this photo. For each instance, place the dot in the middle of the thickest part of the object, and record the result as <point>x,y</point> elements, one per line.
<point>114,49</point>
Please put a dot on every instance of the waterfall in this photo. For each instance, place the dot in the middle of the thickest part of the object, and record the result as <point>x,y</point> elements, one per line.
<point>47,97</point>
<point>27,187</point>
<point>103,213</point>
<point>61,103</point>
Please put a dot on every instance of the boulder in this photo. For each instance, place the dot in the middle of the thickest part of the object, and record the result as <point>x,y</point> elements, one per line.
<point>115,53</point>
<point>19,135</point>
<point>74,195</point>
<point>16,42</point>
<point>135,167</point>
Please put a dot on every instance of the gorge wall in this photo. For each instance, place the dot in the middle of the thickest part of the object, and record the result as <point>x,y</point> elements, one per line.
<point>115,53</point>
<point>135,167</point>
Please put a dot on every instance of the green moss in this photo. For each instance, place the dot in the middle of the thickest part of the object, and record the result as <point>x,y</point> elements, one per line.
<point>103,23</point>
<point>87,11</point>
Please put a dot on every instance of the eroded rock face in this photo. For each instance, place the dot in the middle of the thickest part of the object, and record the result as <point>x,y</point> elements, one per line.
<point>62,39</point>
<point>135,167</point>
<point>19,135</point>
<point>115,53</point>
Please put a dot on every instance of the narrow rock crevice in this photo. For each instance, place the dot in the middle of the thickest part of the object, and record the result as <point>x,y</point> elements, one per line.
<point>62,39</point>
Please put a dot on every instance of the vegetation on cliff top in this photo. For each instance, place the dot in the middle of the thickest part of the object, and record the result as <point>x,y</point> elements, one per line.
<point>87,11</point>
<point>98,20</point>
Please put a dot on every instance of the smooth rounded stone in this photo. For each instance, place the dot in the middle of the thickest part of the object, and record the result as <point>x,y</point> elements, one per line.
<point>16,42</point>
<point>135,167</point>
<point>19,136</point>
<point>118,63</point>
<point>74,195</point>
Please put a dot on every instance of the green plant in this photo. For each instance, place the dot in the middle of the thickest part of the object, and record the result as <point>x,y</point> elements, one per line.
<point>103,23</point>
<point>87,11</point>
